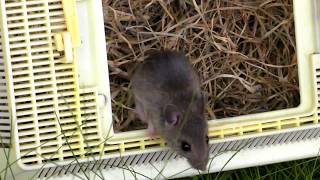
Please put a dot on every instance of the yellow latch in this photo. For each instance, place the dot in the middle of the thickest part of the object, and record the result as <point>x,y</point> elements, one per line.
<point>63,43</point>
<point>70,13</point>
<point>69,40</point>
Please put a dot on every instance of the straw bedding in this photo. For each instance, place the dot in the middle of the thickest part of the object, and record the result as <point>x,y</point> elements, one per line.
<point>243,50</point>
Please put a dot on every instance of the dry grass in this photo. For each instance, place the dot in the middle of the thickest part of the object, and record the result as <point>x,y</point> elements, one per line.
<point>244,51</point>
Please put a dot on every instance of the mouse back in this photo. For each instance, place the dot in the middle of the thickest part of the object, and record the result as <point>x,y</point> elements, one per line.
<point>164,76</point>
<point>168,70</point>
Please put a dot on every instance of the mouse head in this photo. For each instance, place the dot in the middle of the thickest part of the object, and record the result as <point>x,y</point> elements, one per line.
<point>185,131</point>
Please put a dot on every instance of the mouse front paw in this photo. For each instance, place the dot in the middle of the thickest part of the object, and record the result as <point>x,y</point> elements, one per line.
<point>152,132</point>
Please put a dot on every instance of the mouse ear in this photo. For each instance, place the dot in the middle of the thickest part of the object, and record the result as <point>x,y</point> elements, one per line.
<point>172,116</point>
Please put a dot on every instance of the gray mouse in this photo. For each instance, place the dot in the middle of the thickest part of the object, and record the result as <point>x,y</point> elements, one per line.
<point>168,97</point>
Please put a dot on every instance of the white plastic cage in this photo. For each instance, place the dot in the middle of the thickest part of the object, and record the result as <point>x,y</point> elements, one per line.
<point>55,80</point>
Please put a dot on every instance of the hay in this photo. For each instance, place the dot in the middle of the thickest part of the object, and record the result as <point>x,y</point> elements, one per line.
<point>244,51</point>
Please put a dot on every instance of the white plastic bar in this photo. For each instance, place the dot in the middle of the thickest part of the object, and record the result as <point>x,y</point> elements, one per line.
<point>243,159</point>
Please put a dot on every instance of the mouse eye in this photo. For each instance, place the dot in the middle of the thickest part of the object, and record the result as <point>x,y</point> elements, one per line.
<point>185,146</point>
<point>207,139</point>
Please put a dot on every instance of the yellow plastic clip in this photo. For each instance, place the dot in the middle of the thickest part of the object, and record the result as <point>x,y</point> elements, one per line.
<point>59,42</point>
<point>67,41</point>
<point>64,43</point>
<point>67,47</point>
<point>70,13</point>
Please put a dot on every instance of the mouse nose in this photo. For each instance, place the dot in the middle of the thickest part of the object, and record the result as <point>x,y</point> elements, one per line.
<point>202,154</point>
<point>200,165</point>
<point>200,157</point>
<point>201,162</point>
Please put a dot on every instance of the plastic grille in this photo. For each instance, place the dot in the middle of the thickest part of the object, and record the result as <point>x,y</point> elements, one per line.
<point>5,128</point>
<point>56,120</point>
